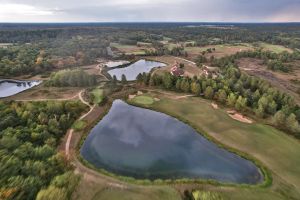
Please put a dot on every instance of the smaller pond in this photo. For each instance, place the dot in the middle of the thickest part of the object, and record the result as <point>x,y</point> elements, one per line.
<point>112,64</point>
<point>12,87</point>
<point>134,69</point>
<point>145,144</point>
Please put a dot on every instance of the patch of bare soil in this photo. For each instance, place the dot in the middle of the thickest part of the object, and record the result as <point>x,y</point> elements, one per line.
<point>131,96</point>
<point>46,93</point>
<point>239,117</point>
<point>215,106</point>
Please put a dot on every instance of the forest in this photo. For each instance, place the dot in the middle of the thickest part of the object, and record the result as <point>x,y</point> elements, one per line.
<point>29,163</point>
<point>236,90</point>
<point>73,78</point>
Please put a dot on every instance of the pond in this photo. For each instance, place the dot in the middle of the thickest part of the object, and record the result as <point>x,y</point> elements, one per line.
<point>12,87</point>
<point>131,71</point>
<point>144,144</point>
<point>112,64</point>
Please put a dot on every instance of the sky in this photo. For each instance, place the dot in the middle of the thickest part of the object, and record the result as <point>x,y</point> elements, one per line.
<point>149,10</point>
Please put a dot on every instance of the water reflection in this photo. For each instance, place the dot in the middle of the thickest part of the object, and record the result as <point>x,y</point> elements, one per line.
<point>136,142</point>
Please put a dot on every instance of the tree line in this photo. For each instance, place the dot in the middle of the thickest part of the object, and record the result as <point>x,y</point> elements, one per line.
<point>237,90</point>
<point>72,78</point>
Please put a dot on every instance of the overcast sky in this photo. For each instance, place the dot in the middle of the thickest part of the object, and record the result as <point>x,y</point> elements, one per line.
<point>149,10</point>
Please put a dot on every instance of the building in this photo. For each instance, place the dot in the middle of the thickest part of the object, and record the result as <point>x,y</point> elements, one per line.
<point>176,70</point>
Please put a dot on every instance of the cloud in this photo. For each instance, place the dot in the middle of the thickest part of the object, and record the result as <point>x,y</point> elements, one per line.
<point>22,9</point>
<point>150,10</point>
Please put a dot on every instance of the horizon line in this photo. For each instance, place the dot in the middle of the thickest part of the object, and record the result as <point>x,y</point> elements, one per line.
<point>141,22</point>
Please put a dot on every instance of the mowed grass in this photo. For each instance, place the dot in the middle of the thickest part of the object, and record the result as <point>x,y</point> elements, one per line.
<point>274,48</point>
<point>276,150</point>
<point>162,193</point>
<point>79,125</point>
<point>97,95</point>
<point>144,100</point>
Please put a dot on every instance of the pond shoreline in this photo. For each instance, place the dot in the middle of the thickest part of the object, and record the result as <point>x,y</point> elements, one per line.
<point>266,175</point>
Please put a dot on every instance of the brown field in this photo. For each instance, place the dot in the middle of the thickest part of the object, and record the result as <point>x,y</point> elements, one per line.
<point>221,50</point>
<point>281,80</point>
<point>131,49</point>
<point>46,93</point>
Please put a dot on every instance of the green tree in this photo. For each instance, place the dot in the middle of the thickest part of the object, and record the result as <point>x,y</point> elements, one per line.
<point>231,99</point>
<point>52,193</point>
<point>292,124</point>
<point>196,88</point>
<point>167,81</point>
<point>209,92</point>
<point>178,85</point>
<point>241,103</point>
<point>222,96</point>
<point>123,79</point>
<point>279,119</point>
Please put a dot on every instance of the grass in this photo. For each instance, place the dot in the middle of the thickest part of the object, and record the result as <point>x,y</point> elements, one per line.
<point>130,49</point>
<point>144,100</point>
<point>274,48</point>
<point>149,193</point>
<point>97,96</point>
<point>278,151</point>
<point>79,125</point>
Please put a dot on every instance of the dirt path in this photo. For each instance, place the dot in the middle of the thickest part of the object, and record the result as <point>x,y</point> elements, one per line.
<point>70,131</point>
<point>191,62</point>
<point>100,72</point>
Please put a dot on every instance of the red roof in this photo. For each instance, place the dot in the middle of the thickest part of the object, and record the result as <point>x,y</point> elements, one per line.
<point>177,71</point>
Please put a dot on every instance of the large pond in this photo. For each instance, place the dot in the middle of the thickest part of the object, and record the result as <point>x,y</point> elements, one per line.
<point>131,71</point>
<point>145,144</point>
<point>12,87</point>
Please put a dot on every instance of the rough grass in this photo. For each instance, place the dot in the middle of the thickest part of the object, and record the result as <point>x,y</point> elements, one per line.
<point>274,48</point>
<point>278,151</point>
<point>79,125</point>
<point>98,95</point>
<point>163,193</point>
<point>144,100</point>
<point>220,50</point>
<point>130,49</point>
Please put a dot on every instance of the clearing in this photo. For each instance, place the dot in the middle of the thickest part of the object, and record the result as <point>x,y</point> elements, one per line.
<point>274,48</point>
<point>220,50</point>
<point>131,49</point>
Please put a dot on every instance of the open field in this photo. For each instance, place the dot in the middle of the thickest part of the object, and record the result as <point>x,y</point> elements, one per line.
<point>130,49</point>
<point>145,100</point>
<point>41,92</point>
<point>274,48</point>
<point>276,150</point>
<point>190,68</point>
<point>89,190</point>
<point>220,50</point>
<point>283,81</point>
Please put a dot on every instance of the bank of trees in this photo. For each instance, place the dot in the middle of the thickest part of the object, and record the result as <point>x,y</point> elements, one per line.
<point>72,78</point>
<point>29,136</point>
<point>274,61</point>
<point>237,90</point>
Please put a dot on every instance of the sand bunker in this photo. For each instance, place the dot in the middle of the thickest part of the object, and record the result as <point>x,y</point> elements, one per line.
<point>215,106</point>
<point>131,96</point>
<point>239,117</point>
